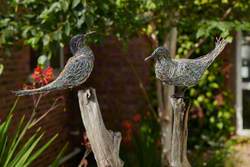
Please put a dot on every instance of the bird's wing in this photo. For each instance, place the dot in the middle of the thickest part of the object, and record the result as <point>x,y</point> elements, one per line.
<point>76,71</point>
<point>186,67</point>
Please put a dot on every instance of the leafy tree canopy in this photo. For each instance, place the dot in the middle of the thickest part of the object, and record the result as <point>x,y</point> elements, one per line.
<point>45,23</point>
<point>49,23</point>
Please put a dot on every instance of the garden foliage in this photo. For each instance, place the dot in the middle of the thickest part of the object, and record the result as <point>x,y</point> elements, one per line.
<point>15,150</point>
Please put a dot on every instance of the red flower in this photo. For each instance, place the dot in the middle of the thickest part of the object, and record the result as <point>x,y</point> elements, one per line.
<point>137,118</point>
<point>127,135</point>
<point>41,76</point>
<point>126,125</point>
<point>48,75</point>
<point>37,73</point>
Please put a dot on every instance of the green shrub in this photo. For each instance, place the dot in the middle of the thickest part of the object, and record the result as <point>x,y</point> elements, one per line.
<point>15,150</point>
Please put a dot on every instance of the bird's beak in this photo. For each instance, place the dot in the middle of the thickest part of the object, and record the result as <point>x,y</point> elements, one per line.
<point>149,57</point>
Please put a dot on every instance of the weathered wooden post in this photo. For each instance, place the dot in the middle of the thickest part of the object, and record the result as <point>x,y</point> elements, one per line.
<point>105,144</point>
<point>178,154</point>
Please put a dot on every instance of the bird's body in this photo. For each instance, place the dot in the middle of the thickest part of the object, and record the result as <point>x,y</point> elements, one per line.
<point>76,71</point>
<point>184,72</point>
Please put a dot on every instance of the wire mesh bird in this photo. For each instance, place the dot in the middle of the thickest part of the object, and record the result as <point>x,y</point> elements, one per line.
<point>76,71</point>
<point>183,72</point>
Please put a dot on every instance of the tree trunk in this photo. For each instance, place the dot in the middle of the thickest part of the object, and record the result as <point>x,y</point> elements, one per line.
<point>105,144</point>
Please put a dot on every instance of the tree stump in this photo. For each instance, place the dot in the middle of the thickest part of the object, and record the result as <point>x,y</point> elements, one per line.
<point>178,151</point>
<point>105,144</point>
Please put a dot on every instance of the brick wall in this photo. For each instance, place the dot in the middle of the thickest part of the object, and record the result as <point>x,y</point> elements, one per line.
<point>116,83</point>
<point>117,86</point>
<point>17,68</point>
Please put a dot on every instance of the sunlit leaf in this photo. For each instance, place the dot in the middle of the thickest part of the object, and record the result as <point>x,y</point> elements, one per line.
<point>75,3</point>
<point>1,68</point>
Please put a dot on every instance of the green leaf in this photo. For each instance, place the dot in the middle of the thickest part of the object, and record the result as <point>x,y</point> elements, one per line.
<point>44,15</point>
<point>55,163</point>
<point>26,29</point>
<point>40,151</point>
<point>211,78</point>
<point>200,33</point>
<point>80,21</point>
<point>67,28</point>
<point>214,85</point>
<point>196,103</point>
<point>211,119</point>
<point>42,61</point>
<point>4,22</point>
<point>46,40</point>
<point>23,153</point>
<point>13,145</point>
<point>192,92</point>
<point>219,125</point>
<point>57,35</point>
<point>14,152</point>
<point>75,3</point>
<point>1,68</point>
<point>3,136</point>
<point>33,41</point>
<point>229,39</point>
<point>209,94</point>
<point>65,5</point>
<point>55,7</point>
<point>200,98</point>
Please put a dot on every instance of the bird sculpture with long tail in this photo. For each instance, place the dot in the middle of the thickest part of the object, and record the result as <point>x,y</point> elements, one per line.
<point>76,71</point>
<point>183,72</point>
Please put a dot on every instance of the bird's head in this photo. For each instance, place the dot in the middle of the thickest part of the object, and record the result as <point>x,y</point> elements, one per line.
<point>78,41</point>
<point>160,52</point>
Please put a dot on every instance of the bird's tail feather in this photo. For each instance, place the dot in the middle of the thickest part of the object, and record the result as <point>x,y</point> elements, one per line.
<point>211,56</point>
<point>219,47</point>
<point>28,92</point>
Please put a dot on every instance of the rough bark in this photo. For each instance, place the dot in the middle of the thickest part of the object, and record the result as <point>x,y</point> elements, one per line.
<point>178,156</point>
<point>105,144</point>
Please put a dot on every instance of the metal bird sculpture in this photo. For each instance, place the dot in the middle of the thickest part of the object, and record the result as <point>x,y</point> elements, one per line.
<point>76,71</point>
<point>183,72</point>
